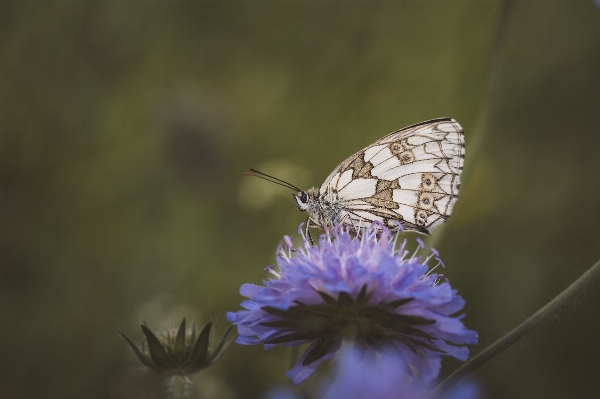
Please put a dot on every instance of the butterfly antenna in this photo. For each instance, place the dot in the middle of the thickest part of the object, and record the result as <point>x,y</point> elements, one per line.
<point>272,179</point>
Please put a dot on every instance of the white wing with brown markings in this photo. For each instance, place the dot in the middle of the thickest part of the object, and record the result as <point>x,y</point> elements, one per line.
<point>411,176</point>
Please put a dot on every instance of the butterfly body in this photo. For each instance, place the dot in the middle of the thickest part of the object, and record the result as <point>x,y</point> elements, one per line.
<point>323,210</point>
<point>411,177</point>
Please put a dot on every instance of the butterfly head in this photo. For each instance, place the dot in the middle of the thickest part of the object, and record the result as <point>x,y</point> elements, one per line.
<point>301,200</point>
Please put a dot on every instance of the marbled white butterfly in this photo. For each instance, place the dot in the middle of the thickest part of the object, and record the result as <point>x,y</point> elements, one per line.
<point>410,176</point>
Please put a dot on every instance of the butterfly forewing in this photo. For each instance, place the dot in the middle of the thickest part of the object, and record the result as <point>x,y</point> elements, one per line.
<point>411,176</point>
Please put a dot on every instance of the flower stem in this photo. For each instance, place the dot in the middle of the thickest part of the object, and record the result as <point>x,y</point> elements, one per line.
<point>494,86</point>
<point>519,332</point>
<point>348,337</point>
<point>179,387</point>
<point>489,101</point>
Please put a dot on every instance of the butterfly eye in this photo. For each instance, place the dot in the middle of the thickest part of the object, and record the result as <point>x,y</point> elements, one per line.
<point>301,200</point>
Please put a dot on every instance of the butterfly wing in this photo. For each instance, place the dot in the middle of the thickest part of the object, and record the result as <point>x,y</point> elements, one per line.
<point>411,176</point>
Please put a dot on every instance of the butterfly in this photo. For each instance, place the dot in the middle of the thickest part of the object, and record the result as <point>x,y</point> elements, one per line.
<point>411,178</point>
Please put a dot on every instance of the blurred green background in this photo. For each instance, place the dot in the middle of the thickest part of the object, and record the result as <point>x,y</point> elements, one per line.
<point>126,127</point>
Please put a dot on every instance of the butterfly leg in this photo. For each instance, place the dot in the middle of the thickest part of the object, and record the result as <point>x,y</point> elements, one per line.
<point>308,220</point>
<point>344,218</point>
<point>357,229</point>
<point>351,223</point>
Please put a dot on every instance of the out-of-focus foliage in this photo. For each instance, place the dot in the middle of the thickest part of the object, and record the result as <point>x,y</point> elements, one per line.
<point>126,126</point>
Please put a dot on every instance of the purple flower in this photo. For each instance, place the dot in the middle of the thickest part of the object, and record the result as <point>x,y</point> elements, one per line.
<point>360,290</point>
<point>362,377</point>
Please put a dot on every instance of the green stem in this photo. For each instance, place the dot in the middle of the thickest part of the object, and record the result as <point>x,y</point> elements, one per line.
<point>489,102</point>
<point>179,387</point>
<point>348,337</point>
<point>521,331</point>
<point>494,86</point>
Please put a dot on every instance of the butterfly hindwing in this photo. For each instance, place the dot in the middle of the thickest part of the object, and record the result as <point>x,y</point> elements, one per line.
<point>411,176</point>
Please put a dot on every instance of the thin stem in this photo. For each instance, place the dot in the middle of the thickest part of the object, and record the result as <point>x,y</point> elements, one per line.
<point>494,86</point>
<point>348,337</point>
<point>179,387</point>
<point>519,332</point>
<point>489,102</point>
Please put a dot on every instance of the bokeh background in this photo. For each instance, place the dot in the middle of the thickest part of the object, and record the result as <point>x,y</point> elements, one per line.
<point>126,128</point>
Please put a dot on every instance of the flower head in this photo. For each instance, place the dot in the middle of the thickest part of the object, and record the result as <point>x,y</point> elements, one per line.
<point>361,290</point>
<point>178,352</point>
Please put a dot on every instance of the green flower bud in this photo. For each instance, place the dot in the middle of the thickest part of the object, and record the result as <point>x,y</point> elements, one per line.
<point>178,353</point>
